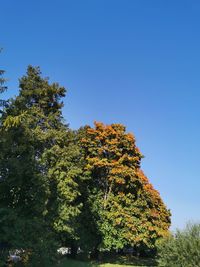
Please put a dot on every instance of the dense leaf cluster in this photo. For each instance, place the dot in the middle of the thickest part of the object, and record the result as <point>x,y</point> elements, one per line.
<point>181,249</point>
<point>60,187</point>
<point>128,210</point>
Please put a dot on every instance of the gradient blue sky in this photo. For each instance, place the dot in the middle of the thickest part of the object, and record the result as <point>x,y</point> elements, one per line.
<point>134,62</point>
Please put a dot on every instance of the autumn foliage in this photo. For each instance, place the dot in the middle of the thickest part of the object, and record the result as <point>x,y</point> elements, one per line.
<point>64,188</point>
<point>129,211</point>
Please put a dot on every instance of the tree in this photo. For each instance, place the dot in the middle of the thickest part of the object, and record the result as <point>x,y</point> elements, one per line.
<point>38,185</point>
<point>65,175</point>
<point>2,85</point>
<point>127,209</point>
<point>181,249</point>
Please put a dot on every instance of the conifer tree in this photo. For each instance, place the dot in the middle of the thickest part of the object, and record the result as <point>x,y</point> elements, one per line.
<point>39,177</point>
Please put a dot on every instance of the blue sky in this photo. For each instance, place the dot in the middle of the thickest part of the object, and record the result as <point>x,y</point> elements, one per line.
<point>134,62</point>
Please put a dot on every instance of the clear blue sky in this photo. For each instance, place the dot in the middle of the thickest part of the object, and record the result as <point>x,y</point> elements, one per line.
<point>134,62</point>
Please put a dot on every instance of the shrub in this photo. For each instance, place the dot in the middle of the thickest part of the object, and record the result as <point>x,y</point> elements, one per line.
<point>181,249</point>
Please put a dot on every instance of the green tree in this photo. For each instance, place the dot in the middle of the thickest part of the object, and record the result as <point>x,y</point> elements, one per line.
<point>39,176</point>
<point>65,176</point>
<point>128,211</point>
<point>181,249</point>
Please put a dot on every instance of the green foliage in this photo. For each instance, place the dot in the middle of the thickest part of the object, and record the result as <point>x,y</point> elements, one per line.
<point>125,208</point>
<point>60,187</point>
<point>181,249</point>
<point>39,173</point>
<point>64,175</point>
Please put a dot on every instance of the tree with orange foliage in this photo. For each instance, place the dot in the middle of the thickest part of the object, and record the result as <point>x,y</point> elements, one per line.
<point>127,210</point>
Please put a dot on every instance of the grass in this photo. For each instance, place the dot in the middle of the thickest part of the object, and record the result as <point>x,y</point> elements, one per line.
<point>121,262</point>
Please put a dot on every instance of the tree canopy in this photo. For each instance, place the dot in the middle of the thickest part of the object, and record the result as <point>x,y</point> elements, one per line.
<point>38,165</point>
<point>60,187</point>
<point>128,210</point>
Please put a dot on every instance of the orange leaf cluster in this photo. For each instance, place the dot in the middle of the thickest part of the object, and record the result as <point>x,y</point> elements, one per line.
<point>129,200</point>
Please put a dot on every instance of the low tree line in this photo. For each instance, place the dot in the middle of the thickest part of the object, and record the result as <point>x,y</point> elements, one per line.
<point>60,187</point>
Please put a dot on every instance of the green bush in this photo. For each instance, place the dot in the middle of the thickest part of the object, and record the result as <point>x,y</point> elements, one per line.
<point>182,249</point>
